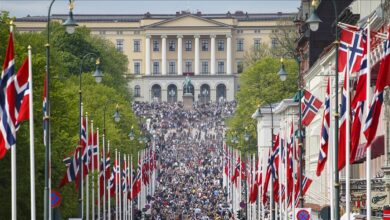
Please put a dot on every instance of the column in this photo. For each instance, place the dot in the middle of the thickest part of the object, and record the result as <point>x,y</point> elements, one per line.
<point>147,55</point>
<point>180,54</point>
<point>212,57</point>
<point>164,55</point>
<point>229,54</point>
<point>197,57</point>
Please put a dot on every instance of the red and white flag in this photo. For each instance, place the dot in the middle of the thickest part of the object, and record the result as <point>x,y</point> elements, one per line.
<point>309,106</point>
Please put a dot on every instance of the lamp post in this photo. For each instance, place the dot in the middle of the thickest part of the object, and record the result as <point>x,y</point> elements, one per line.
<point>313,23</point>
<point>46,117</point>
<point>283,76</point>
<point>98,79</point>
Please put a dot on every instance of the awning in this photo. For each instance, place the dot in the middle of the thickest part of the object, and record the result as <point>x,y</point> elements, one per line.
<point>378,149</point>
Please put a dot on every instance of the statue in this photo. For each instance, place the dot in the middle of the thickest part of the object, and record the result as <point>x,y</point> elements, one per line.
<point>187,85</point>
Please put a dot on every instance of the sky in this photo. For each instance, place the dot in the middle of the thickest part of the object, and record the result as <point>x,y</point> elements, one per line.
<point>21,8</point>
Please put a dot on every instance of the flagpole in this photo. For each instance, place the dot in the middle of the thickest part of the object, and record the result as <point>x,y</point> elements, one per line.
<point>87,177</point>
<point>131,187</point>
<point>93,171</point>
<point>108,189</point>
<point>116,184</point>
<point>368,93</point>
<point>104,156</point>
<point>119,211</point>
<point>99,171</point>
<point>32,148</point>
<point>347,141</point>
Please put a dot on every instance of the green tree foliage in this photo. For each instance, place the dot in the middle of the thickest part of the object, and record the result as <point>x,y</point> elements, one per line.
<point>259,85</point>
<point>66,53</point>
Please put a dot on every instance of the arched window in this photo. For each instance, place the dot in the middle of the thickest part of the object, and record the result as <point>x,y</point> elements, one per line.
<point>172,93</point>
<point>156,93</point>
<point>137,91</point>
<point>221,92</point>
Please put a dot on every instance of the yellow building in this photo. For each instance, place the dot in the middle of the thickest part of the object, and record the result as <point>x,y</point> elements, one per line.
<point>164,48</point>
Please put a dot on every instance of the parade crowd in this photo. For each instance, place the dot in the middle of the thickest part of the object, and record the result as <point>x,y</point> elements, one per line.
<point>189,181</point>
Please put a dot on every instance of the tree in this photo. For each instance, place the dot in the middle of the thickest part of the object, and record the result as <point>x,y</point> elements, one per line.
<point>66,52</point>
<point>259,85</point>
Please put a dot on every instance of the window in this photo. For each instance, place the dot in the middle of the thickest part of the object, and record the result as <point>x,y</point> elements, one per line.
<point>172,45</point>
<point>221,67</point>
<point>205,45</point>
<point>102,32</point>
<point>156,45</point>
<point>257,31</point>
<point>119,32</point>
<point>172,67</point>
<point>137,46</point>
<point>256,44</point>
<point>137,68</point>
<point>137,91</point>
<point>274,42</point>
<point>156,67</point>
<point>221,45</point>
<point>240,31</point>
<point>205,67</point>
<point>188,66</point>
<point>119,45</point>
<point>240,44</point>
<point>188,45</point>
<point>240,66</point>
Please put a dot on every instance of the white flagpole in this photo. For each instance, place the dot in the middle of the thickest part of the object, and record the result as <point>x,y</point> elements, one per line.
<point>280,177</point>
<point>13,172</point>
<point>347,142</point>
<point>32,148</point>
<point>131,187</point>
<point>104,156</point>
<point>331,154</point>
<point>116,184</point>
<point>108,189</point>
<point>368,101</point>
<point>81,166</point>
<point>93,172</point>
<point>87,177</point>
<point>99,170</point>
<point>124,193</point>
<point>139,194</point>
<point>119,211</point>
<point>286,159</point>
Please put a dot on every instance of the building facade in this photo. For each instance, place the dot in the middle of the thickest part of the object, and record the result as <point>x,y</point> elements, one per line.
<point>165,48</point>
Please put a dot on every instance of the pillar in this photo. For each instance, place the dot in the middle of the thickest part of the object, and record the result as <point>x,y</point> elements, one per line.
<point>164,54</point>
<point>147,55</point>
<point>212,55</point>
<point>180,55</point>
<point>229,54</point>
<point>197,55</point>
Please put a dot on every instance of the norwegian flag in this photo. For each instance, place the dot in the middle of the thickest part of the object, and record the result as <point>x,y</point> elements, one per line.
<point>104,167</point>
<point>310,106</point>
<point>22,88</point>
<point>272,168</point>
<point>354,41</point>
<point>226,160</point>
<point>72,167</point>
<point>136,187</point>
<point>114,175</point>
<point>7,101</point>
<point>236,170</point>
<point>383,81</point>
<point>357,107</point>
<point>289,173</point>
<point>145,170</point>
<point>323,155</point>
<point>125,173</point>
<point>386,213</point>
<point>306,182</point>
<point>93,150</point>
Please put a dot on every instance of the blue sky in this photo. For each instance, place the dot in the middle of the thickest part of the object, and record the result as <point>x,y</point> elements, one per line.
<point>20,8</point>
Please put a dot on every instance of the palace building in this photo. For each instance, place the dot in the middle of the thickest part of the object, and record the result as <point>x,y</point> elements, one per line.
<point>165,48</point>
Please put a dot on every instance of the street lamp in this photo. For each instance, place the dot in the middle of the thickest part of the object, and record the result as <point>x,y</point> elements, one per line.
<point>282,72</point>
<point>98,73</point>
<point>131,134</point>
<point>46,121</point>
<point>80,127</point>
<point>117,116</point>
<point>313,22</point>
<point>70,24</point>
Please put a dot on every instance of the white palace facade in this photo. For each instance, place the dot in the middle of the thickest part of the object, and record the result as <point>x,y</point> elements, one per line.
<point>163,49</point>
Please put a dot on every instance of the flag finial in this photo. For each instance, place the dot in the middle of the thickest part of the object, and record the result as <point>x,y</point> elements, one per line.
<point>29,47</point>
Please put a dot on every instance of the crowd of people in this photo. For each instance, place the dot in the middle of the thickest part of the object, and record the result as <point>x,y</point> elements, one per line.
<point>189,183</point>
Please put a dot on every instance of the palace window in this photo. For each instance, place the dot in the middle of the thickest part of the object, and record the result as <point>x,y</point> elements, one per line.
<point>188,45</point>
<point>221,45</point>
<point>137,46</point>
<point>274,42</point>
<point>172,67</point>
<point>119,45</point>
<point>156,45</point>
<point>205,67</point>
<point>156,67</point>
<point>188,67</point>
<point>221,67</point>
<point>205,45</point>
<point>240,44</point>
<point>137,91</point>
<point>172,45</point>
<point>137,68</point>
<point>240,66</point>
<point>256,43</point>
